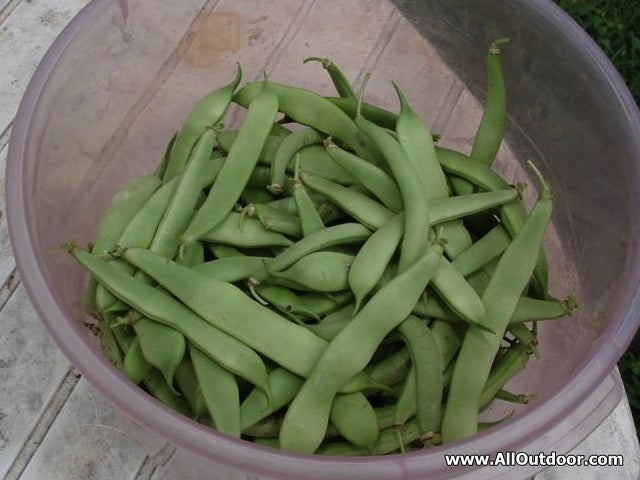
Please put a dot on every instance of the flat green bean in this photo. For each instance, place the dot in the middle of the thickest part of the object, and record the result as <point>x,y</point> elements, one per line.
<point>306,419</point>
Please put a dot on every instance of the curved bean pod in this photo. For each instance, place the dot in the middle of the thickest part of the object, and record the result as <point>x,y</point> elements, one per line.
<point>190,389</point>
<point>256,406</point>
<point>513,214</point>
<point>237,231</point>
<point>372,258</point>
<point>162,165</point>
<point>491,129</point>
<point>227,307</point>
<point>371,177</point>
<point>306,419</point>
<point>135,365</point>
<point>428,366</point>
<point>309,218</point>
<point>318,271</point>
<point>479,348</point>
<point>343,234</point>
<point>533,309</point>
<point>123,208</point>
<point>367,211</point>
<point>340,82</point>
<point>162,347</point>
<point>234,174</point>
<point>484,250</point>
<point>286,152</point>
<point>379,116</point>
<point>157,305</point>
<point>355,419</point>
<point>312,110</point>
<point>417,142</point>
<point>416,207</point>
<point>509,365</point>
<point>231,269</point>
<point>206,113</point>
<point>219,390</point>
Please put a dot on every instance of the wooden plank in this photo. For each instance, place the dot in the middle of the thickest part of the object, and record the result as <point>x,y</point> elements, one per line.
<point>31,371</point>
<point>90,440</point>
<point>24,38</point>
<point>411,62</point>
<point>355,24</point>
<point>7,262</point>
<point>6,9</point>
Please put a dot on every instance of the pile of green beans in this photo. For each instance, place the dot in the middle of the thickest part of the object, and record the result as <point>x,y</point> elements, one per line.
<point>324,279</point>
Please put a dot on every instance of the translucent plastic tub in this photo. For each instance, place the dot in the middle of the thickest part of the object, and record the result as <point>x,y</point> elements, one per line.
<point>120,78</point>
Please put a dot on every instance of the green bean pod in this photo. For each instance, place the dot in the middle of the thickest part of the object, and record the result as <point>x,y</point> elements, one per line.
<point>157,305</point>
<point>220,251</point>
<point>312,110</point>
<point>108,342</point>
<point>483,251</point>
<point>367,211</point>
<point>355,419</point>
<point>387,442</point>
<point>417,142</point>
<point>416,206</point>
<point>533,309</point>
<point>340,82</point>
<point>377,115</point>
<point>479,348</point>
<point>306,419</point>
<point>509,365</point>
<point>156,385</point>
<point>286,152</point>
<point>459,296</point>
<point>162,165</point>
<point>374,179</point>
<point>227,308</point>
<point>329,327</point>
<point>318,271</point>
<point>288,204</point>
<point>524,336</point>
<point>190,389</point>
<point>491,129</point>
<point>392,369</point>
<point>234,174</point>
<point>135,367</point>
<point>372,259</point>
<point>182,204</point>
<point>324,304</point>
<point>162,346</point>
<point>219,390</point>
<point>255,196</point>
<point>239,231</point>
<point>513,214</point>
<point>407,404</point>
<point>205,114</point>
<point>284,300</point>
<point>428,367</point>
<point>343,234</point>
<point>227,138</point>
<point>256,406</point>
<point>122,209</point>
<point>231,269</point>
<point>310,220</point>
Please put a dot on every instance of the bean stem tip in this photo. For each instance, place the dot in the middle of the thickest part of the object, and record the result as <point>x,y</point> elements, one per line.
<point>69,246</point>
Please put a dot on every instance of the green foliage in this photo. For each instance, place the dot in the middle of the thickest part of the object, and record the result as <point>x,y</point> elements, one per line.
<point>615,26</point>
